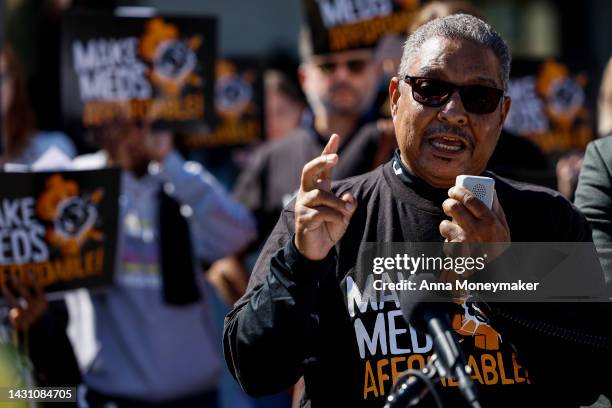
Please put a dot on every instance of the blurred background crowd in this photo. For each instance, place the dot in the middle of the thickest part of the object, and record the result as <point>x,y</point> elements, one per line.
<point>281,88</point>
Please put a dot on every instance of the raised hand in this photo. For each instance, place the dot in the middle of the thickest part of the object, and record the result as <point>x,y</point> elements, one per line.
<point>321,218</point>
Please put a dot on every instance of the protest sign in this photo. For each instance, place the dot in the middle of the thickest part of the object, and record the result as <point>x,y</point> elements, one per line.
<point>549,105</point>
<point>158,69</point>
<point>238,106</point>
<point>59,228</point>
<point>338,25</point>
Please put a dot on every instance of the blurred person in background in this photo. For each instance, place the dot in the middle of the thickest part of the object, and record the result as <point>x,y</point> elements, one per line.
<point>570,165</point>
<point>34,28</point>
<point>605,103</point>
<point>340,88</point>
<point>594,187</point>
<point>23,307</point>
<point>437,9</point>
<point>22,142</point>
<point>24,323</point>
<point>284,105</point>
<point>150,339</point>
<point>594,190</point>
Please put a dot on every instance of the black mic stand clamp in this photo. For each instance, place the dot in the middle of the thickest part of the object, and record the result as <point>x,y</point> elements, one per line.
<point>413,385</point>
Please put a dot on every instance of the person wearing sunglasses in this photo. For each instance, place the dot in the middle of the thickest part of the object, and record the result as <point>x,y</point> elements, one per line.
<point>514,157</point>
<point>311,308</point>
<point>340,88</point>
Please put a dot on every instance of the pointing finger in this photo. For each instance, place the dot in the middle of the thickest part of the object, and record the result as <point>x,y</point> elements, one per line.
<point>332,145</point>
<point>330,148</point>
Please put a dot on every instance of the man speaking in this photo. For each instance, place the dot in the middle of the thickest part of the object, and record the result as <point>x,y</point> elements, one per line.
<point>304,315</point>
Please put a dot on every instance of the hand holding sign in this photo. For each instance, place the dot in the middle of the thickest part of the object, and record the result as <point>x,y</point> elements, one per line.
<point>321,218</point>
<point>27,306</point>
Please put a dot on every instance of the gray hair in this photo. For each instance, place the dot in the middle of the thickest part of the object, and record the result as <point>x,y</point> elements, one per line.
<point>459,26</point>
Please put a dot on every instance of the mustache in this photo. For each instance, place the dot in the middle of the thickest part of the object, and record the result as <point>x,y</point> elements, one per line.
<point>450,130</point>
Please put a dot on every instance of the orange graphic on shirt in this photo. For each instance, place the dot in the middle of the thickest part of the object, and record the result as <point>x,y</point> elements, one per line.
<point>470,323</point>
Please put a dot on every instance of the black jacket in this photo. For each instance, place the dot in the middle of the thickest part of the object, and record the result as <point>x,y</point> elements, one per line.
<point>299,317</point>
<point>594,198</point>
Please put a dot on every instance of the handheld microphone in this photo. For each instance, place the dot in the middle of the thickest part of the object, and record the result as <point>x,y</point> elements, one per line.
<point>429,313</point>
<point>482,187</point>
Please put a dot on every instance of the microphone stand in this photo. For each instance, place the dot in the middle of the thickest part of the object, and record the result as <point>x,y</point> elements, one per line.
<point>414,385</point>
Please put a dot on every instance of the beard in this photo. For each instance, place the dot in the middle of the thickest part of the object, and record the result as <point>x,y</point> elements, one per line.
<point>344,99</point>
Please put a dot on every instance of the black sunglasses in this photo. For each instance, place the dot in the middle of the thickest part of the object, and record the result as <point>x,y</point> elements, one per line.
<point>355,66</point>
<point>435,93</point>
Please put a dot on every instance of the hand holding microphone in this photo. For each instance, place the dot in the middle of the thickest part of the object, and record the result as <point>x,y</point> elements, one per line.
<point>472,220</point>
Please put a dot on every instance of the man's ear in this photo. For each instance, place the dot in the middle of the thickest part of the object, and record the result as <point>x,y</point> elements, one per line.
<point>506,103</point>
<point>394,94</point>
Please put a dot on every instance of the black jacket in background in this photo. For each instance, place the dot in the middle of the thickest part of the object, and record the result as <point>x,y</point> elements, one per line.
<point>272,176</point>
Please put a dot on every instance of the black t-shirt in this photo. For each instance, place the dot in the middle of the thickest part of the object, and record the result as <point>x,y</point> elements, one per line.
<point>272,177</point>
<point>301,317</point>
